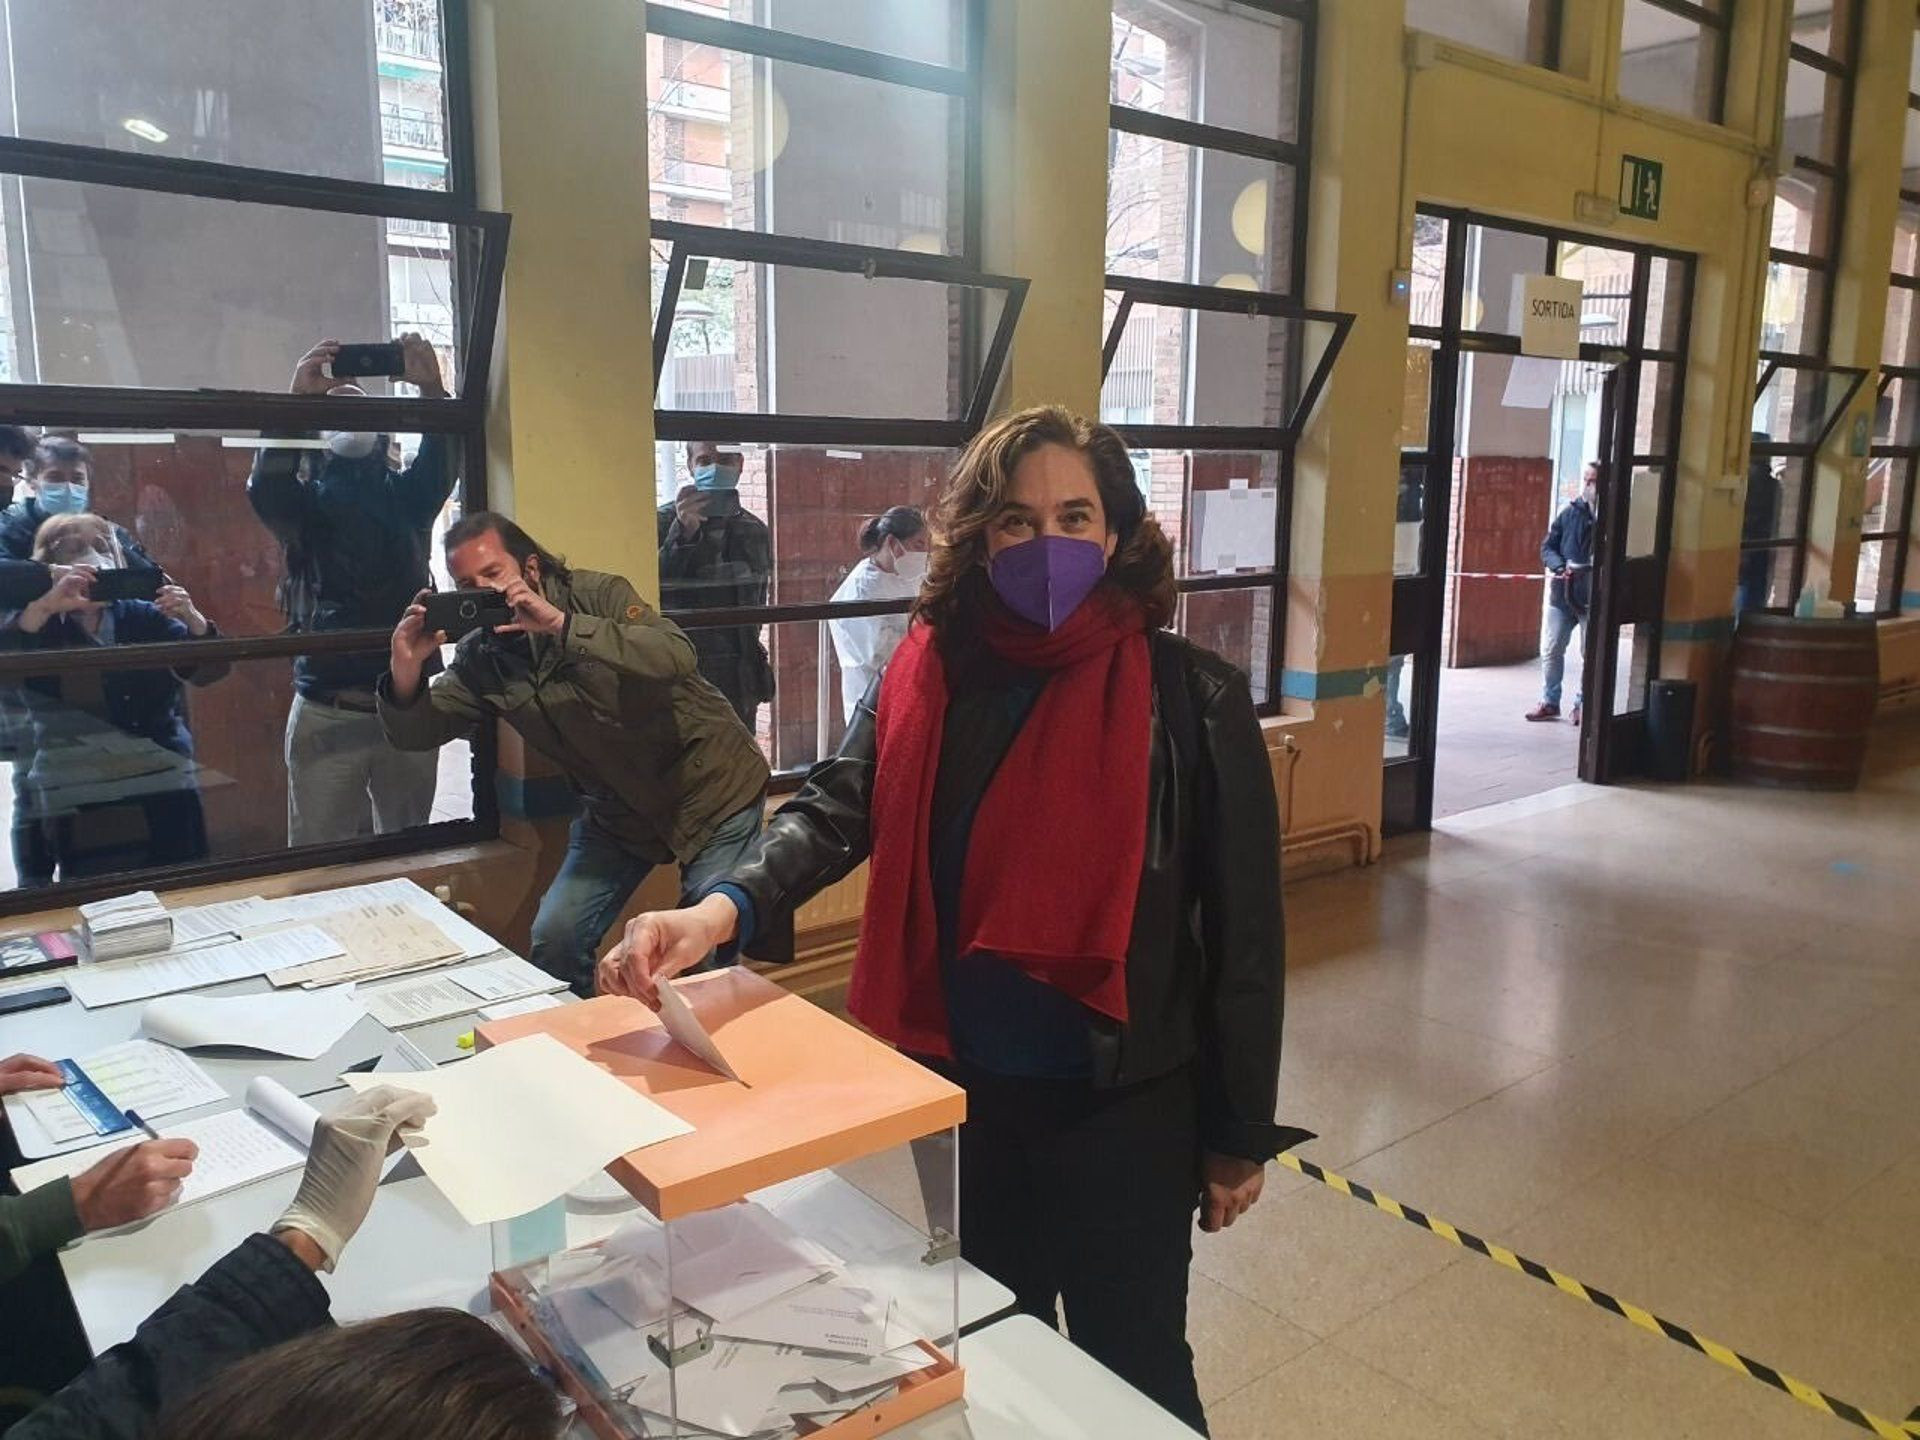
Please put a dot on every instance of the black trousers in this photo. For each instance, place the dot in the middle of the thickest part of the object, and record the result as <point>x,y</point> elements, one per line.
<point>1084,1198</point>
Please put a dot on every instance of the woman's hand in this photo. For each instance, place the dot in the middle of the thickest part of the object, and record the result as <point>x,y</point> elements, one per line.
<point>72,591</point>
<point>176,604</point>
<point>29,1072</point>
<point>1229,1188</point>
<point>660,945</point>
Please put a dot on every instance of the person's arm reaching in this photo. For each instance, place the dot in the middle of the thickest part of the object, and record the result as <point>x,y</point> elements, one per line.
<point>263,1292</point>
<point>418,716</point>
<point>818,837</point>
<point>1244,939</point>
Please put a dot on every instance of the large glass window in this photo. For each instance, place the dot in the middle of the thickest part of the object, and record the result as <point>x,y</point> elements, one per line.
<point>166,419</point>
<point>822,335</point>
<point>1673,56</point>
<point>1523,30</point>
<point>1893,466</point>
<point>1210,112</point>
<point>1211,365</point>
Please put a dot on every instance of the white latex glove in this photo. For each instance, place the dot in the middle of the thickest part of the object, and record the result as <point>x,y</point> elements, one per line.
<point>343,1167</point>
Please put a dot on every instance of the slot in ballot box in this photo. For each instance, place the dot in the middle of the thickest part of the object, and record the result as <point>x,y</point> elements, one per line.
<point>747,1297</point>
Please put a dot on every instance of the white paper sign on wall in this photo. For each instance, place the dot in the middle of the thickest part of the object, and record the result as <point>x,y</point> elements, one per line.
<point>1549,307</point>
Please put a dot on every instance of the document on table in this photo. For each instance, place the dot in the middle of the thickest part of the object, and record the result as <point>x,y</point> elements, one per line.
<point>521,1124</point>
<point>471,942</point>
<point>232,919</point>
<point>117,982</point>
<point>818,1316</point>
<point>138,1075</point>
<point>455,992</point>
<point>236,1149</point>
<point>303,1023</point>
<point>685,1027</point>
<point>379,938</point>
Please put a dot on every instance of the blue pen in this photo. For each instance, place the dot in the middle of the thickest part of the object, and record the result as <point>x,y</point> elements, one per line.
<point>134,1116</point>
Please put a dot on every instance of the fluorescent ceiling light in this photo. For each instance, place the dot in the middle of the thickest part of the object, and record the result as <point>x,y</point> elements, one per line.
<point>127,437</point>
<point>144,129</point>
<point>249,442</point>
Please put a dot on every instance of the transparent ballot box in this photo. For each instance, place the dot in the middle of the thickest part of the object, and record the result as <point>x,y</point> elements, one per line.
<point>789,1268</point>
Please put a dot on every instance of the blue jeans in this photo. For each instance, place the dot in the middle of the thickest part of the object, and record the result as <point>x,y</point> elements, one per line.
<point>1561,621</point>
<point>597,879</point>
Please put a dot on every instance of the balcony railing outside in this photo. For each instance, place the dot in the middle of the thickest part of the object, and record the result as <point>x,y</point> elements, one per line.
<point>409,40</point>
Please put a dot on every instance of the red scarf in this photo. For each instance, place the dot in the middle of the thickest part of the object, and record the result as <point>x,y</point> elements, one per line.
<point>1053,860</point>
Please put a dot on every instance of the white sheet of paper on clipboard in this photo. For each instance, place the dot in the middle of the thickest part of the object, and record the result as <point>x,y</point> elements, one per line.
<point>685,1027</point>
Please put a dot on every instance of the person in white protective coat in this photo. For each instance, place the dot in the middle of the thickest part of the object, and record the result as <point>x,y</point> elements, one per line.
<point>895,549</point>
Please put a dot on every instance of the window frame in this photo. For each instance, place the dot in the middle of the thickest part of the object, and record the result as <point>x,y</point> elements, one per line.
<point>460,418</point>
<point>1717,17</point>
<point>1806,452</point>
<point>774,249</point>
<point>1552,34</point>
<point>1282,441</point>
<point>1905,453</point>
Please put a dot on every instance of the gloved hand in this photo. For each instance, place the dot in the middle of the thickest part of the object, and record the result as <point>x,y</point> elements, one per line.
<point>343,1167</point>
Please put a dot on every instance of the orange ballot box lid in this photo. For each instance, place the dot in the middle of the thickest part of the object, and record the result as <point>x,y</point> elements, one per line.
<point>817,1092</point>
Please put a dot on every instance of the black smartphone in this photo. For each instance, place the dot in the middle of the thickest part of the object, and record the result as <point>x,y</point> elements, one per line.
<point>33,999</point>
<point>460,612</point>
<point>386,358</point>
<point>126,585</point>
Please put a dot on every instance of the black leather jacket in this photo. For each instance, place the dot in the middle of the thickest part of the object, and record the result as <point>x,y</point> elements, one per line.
<point>1206,969</point>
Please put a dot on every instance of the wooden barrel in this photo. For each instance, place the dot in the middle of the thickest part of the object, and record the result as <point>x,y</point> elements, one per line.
<point>1804,693</point>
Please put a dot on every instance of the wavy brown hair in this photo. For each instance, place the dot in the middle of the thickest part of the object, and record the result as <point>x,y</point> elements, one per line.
<point>982,480</point>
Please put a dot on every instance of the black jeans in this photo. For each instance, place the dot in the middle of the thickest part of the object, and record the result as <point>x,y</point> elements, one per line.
<point>1082,1196</point>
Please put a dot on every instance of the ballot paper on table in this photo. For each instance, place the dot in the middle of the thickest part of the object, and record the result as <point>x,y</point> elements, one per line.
<point>120,981</point>
<point>520,1124</point>
<point>137,1074</point>
<point>236,1148</point>
<point>379,938</point>
<point>823,1315</point>
<point>728,1391</point>
<point>455,992</point>
<point>304,1024</point>
<point>223,920</point>
<point>730,1261</point>
<point>684,1026</point>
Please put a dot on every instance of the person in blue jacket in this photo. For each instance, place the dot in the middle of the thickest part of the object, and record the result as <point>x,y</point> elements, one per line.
<point>95,721</point>
<point>1567,554</point>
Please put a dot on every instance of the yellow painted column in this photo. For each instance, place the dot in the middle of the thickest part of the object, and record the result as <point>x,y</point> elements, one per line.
<point>1044,143</point>
<point>560,96</point>
<point>1860,284</point>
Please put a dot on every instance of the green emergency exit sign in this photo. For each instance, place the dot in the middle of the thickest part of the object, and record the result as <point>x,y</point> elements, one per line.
<point>1640,187</point>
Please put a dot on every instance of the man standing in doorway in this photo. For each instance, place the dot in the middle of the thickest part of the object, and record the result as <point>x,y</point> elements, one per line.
<point>1567,553</point>
<point>715,554</point>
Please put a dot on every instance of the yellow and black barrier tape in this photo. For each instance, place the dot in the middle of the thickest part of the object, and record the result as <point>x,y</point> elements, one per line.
<point>1600,1299</point>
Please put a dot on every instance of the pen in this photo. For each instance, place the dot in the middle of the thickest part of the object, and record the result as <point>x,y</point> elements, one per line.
<point>134,1116</point>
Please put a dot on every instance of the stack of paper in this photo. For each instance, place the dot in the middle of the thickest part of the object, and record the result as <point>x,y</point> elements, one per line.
<point>163,974</point>
<point>136,924</point>
<point>382,937</point>
<point>236,1149</point>
<point>456,992</point>
<point>794,1346</point>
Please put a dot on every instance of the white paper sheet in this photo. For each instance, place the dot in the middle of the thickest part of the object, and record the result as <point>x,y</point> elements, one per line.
<point>507,1009</point>
<point>732,1260</point>
<point>685,1027</point>
<point>235,1149</point>
<point>519,1125</point>
<point>304,1024</point>
<point>857,1375</point>
<point>282,1109</point>
<point>455,992</point>
<point>231,918</point>
<point>1233,530</point>
<point>728,1390</point>
<point>136,1074</point>
<point>618,1350</point>
<point>119,982</point>
<point>472,942</point>
<point>821,1316</point>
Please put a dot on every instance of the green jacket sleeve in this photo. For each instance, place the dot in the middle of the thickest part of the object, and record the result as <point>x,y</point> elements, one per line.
<point>612,624</point>
<point>444,709</point>
<point>35,1224</point>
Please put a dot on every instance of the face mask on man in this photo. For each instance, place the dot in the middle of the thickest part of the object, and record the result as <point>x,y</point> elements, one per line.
<point>351,444</point>
<point>1590,493</point>
<point>61,497</point>
<point>711,477</point>
<point>1046,579</point>
<point>911,565</point>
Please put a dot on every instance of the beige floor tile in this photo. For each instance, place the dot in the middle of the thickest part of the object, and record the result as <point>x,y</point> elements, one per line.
<point>1235,1341</point>
<point>1318,1259</point>
<point>1883,1213</point>
<point>1327,1392</point>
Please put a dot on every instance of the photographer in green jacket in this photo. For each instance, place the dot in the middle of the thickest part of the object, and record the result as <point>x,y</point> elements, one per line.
<point>601,684</point>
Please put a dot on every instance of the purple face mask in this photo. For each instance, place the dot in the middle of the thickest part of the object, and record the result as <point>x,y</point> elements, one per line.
<point>1046,579</point>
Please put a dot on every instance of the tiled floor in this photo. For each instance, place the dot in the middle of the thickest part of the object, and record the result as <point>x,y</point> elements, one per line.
<point>1487,753</point>
<point>1664,1040</point>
